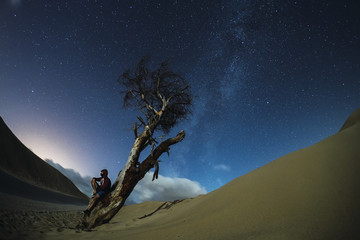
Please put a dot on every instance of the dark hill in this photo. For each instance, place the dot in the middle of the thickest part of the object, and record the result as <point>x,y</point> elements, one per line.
<point>352,120</point>
<point>19,162</point>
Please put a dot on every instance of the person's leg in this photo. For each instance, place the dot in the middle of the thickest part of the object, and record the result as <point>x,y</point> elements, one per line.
<point>94,185</point>
<point>95,199</point>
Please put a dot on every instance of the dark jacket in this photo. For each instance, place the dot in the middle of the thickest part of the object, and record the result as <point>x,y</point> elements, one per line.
<point>105,182</point>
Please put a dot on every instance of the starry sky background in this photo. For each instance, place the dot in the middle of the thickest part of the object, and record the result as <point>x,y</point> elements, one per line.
<point>270,77</point>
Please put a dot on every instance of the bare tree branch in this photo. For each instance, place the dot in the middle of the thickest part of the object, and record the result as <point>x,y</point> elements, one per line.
<point>164,98</point>
<point>141,120</point>
<point>156,172</point>
<point>135,130</point>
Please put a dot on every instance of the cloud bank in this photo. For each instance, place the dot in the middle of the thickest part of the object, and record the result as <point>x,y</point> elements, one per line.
<point>162,189</point>
<point>82,183</point>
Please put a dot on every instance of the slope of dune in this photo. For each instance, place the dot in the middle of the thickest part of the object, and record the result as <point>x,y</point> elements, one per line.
<point>313,193</point>
<point>21,163</point>
<point>352,119</point>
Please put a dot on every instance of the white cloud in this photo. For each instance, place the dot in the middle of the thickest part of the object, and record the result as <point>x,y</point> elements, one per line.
<point>82,183</point>
<point>164,189</point>
<point>222,167</point>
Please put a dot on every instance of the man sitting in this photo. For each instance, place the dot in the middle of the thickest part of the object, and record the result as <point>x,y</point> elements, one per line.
<point>99,190</point>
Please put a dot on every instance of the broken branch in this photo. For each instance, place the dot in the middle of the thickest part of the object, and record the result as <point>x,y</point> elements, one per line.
<point>135,130</point>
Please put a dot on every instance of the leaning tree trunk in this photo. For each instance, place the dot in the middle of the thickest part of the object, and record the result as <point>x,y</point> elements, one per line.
<point>128,178</point>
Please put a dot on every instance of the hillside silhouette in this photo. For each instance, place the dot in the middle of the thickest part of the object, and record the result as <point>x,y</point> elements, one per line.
<point>29,176</point>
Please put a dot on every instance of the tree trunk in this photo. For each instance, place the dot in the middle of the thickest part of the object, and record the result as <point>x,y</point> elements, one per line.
<point>107,207</point>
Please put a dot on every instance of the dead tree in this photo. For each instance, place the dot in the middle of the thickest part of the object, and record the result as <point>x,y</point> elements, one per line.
<point>164,98</point>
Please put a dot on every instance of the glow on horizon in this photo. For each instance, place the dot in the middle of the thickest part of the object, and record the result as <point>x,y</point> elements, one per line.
<point>56,148</point>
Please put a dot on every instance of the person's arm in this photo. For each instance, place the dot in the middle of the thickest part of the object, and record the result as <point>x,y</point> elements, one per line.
<point>105,185</point>
<point>97,178</point>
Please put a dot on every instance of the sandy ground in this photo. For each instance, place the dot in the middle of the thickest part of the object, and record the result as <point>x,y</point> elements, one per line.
<point>22,218</point>
<point>313,193</point>
<point>25,215</point>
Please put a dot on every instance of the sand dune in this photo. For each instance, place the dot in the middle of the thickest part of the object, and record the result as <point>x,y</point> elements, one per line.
<point>352,119</point>
<point>313,193</point>
<point>16,187</point>
<point>18,161</point>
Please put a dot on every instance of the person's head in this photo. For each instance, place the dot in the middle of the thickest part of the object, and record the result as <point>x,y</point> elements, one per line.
<point>104,173</point>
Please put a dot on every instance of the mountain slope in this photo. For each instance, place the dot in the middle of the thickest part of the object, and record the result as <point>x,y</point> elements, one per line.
<point>313,193</point>
<point>17,160</point>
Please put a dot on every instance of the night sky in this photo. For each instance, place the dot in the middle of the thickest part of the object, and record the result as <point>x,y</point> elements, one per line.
<point>270,77</point>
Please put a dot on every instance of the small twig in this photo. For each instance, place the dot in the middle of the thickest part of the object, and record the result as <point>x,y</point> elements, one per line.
<point>152,149</point>
<point>141,120</point>
<point>156,172</point>
<point>148,215</point>
<point>135,130</point>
